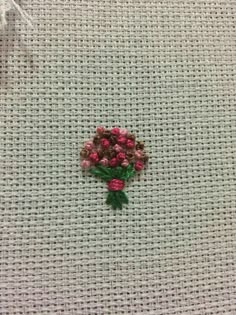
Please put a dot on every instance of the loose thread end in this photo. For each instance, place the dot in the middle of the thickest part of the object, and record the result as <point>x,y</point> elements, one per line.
<point>7,5</point>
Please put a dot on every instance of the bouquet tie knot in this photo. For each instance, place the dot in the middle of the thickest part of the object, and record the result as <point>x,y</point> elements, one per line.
<point>116,185</point>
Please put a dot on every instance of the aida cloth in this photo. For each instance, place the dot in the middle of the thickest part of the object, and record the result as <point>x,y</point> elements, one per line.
<point>166,71</point>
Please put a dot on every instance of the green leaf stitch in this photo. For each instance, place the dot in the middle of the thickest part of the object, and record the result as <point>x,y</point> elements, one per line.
<point>102,172</point>
<point>116,199</point>
<point>123,197</point>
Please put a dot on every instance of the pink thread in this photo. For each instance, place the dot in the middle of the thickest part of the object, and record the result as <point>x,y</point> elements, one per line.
<point>130,144</point>
<point>138,166</point>
<point>125,163</point>
<point>121,140</point>
<point>85,164</point>
<point>100,129</point>
<point>138,154</point>
<point>105,143</point>
<point>88,145</point>
<point>113,162</point>
<point>115,131</point>
<point>116,184</point>
<point>117,148</point>
<point>94,157</point>
<point>104,162</point>
<point>123,132</point>
<point>120,156</point>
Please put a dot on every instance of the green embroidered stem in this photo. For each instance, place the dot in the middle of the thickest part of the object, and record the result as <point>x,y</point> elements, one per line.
<point>114,198</point>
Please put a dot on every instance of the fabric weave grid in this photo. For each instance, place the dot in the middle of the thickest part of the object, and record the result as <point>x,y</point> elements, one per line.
<point>166,71</point>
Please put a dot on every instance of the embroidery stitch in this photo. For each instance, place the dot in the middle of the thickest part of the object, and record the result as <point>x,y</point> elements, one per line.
<point>115,157</point>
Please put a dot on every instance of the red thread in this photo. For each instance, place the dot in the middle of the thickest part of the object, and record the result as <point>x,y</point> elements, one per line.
<point>120,156</point>
<point>116,184</point>
<point>130,144</point>
<point>121,140</point>
<point>115,131</point>
<point>105,143</point>
<point>113,162</point>
<point>138,166</point>
<point>94,157</point>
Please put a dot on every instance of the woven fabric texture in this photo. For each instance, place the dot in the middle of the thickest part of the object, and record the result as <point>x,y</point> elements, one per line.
<point>166,70</point>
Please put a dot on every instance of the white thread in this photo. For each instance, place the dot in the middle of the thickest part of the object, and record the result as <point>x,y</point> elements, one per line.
<point>5,6</point>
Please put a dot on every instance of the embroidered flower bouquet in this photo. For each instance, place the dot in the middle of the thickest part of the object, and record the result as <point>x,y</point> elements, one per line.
<point>115,157</point>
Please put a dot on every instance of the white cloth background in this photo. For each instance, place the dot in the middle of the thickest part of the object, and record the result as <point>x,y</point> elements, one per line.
<point>165,70</point>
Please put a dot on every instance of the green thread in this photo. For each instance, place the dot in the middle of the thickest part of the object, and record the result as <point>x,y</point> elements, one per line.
<point>114,198</point>
<point>108,173</point>
<point>105,173</point>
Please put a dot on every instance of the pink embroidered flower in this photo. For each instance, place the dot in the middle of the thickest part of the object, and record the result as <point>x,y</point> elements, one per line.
<point>88,145</point>
<point>121,140</point>
<point>138,154</point>
<point>94,157</point>
<point>105,143</point>
<point>123,132</point>
<point>115,131</point>
<point>125,163</point>
<point>120,156</point>
<point>130,144</point>
<point>104,162</point>
<point>117,148</point>
<point>100,130</point>
<point>138,166</point>
<point>85,164</point>
<point>113,162</point>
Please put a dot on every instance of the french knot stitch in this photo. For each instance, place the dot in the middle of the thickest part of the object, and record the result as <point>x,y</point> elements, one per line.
<point>116,185</point>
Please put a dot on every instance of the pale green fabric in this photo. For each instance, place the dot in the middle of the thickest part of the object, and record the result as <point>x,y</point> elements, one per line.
<point>166,71</point>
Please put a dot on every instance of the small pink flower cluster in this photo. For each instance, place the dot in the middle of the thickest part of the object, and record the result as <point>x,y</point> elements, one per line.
<point>112,148</point>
